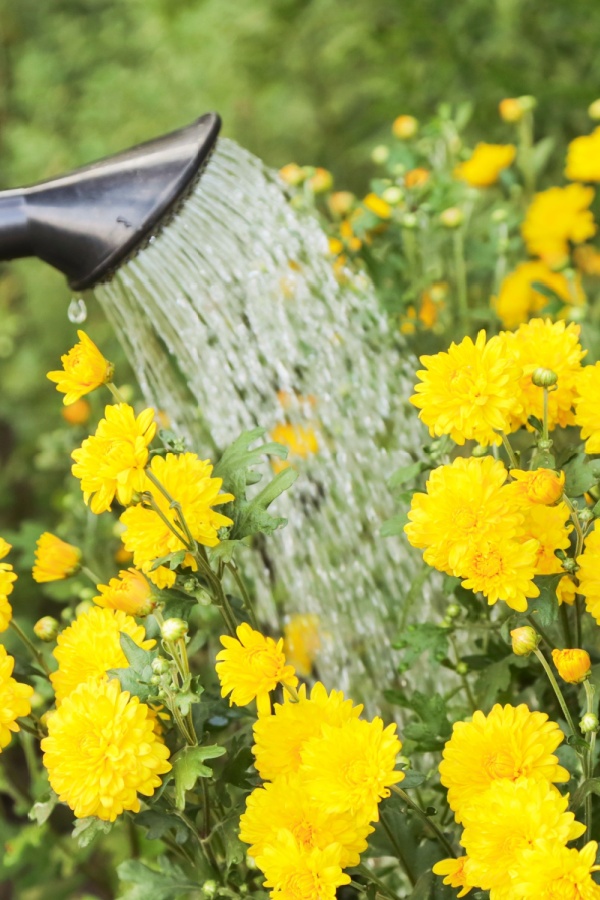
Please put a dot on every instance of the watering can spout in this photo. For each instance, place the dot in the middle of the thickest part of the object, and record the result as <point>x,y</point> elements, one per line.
<point>86,223</point>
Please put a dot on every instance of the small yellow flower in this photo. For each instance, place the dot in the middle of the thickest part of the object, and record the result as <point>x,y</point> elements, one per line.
<point>189,481</point>
<point>292,174</point>
<point>341,202</point>
<point>502,570</point>
<point>454,870</point>
<point>321,181</point>
<point>302,642</point>
<point>102,750</point>
<point>286,804</point>
<point>77,413</point>
<point>506,821</point>
<point>432,303</point>
<point>377,206</point>
<point>416,178</point>
<point>484,167</point>
<point>14,699</point>
<point>84,369</point>
<point>508,743</point>
<point>281,738</point>
<point>405,127</point>
<point>524,640</point>
<point>586,407</point>
<point>541,343</point>
<point>130,592</point>
<point>573,666</point>
<point>301,441</point>
<point>517,299</point>
<point>557,217</point>
<point>7,579</point>
<point>251,666</point>
<point>54,559</point>
<point>511,109</point>
<point>295,874</point>
<point>351,767</point>
<point>542,486</point>
<point>589,572</point>
<point>566,591</point>
<point>91,646</point>
<point>582,158</point>
<point>112,461</point>
<point>470,392</point>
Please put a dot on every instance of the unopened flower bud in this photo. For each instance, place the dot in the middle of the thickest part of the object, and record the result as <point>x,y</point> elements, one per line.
<point>155,679</point>
<point>511,109</point>
<point>573,666</point>
<point>209,888</point>
<point>84,607</point>
<point>321,181</point>
<point>453,610</point>
<point>569,565</point>
<point>478,451</point>
<point>292,174</point>
<point>528,103</point>
<point>380,154</point>
<point>46,628</point>
<point>544,377</point>
<point>589,723</point>
<point>594,110</point>
<point>461,668</point>
<point>203,597</point>
<point>341,202</point>
<point>500,215</point>
<point>405,127</point>
<point>173,629</point>
<point>393,195</point>
<point>409,221</point>
<point>586,516</point>
<point>160,665</point>
<point>452,217</point>
<point>524,640</point>
<point>446,622</point>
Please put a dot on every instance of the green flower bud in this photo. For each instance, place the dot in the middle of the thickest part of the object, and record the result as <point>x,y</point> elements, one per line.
<point>393,195</point>
<point>160,666</point>
<point>46,628</point>
<point>452,217</point>
<point>500,215</point>
<point>589,723</point>
<point>84,607</point>
<point>409,220</point>
<point>461,668</point>
<point>544,377</point>
<point>453,610</point>
<point>380,154</point>
<point>209,888</point>
<point>524,640</point>
<point>173,629</point>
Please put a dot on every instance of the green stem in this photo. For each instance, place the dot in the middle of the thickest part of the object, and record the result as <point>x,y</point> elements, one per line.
<point>368,873</point>
<point>461,277</point>
<point>578,610</point>
<point>578,529</point>
<point>463,678</point>
<point>151,502</point>
<point>545,432</point>
<point>91,575</point>
<point>175,506</point>
<point>31,647</point>
<point>526,154</point>
<point>589,772</point>
<point>219,595</point>
<point>245,595</point>
<point>116,392</point>
<point>566,628</point>
<point>557,691</point>
<point>512,459</point>
<point>541,631</point>
<point>426,820</point>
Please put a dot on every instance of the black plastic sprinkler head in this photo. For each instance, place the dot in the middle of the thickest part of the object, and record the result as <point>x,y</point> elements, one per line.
<point>88,222</point>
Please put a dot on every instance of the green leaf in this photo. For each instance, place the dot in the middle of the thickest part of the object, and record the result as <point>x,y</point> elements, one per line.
<point>545,607</point>
<point>235,464</point>
<point>541,153</point>
<point>130,681</point>
<point>223,552</point>
<point>581,474</point>
<point>160,823</point>
<point>434,728</point>
<point>422,889</point>
<point>547,292</point>
<point>167,884</point>
<point>188,767</point>
<point>41,811</point>
<point>420,638</point>
<point>412,780</point>
<point>493,680</point>
<point>188,694</point>
<point>228,831</point>
<point>404,475</point>
<point>251,516</point>
<point>394,526</point>
<point>138,658</point>
<point>86,830</point>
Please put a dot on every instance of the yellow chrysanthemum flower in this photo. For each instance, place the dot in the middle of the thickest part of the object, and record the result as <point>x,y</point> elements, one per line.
<point>549,345</point>
<point>486,162</point>
<point>508,743</point>
<point>469,493</point>
<point>286,804</point>
<point>91,646</point>
<point>551,871</point>
<point>102,750</point>
<point>550,529</point>
<point>454,870</point>
<point>112,461</point>
<point>84,369</point>
<point>470,392</point>
<point>501,569</point>
<point>573,666</point>
<point>586,406</point>
<point>7,579</point>
<point>541,486</point>
<point>350,768</point>
<point>588,573</point>
<point>188,480</point>
<point>295,874</point>
<point>301,441</point>
<point>54,559</point>
<point>555,218</point>
<point>302,642</point>
<point>251,666</point>
<point>280,738</point>
<point>506,821</point>
<point>14,699</point>
<point>130,592</point>
<point>583,158</point>
<point>566,591</point>
<point>517,300</point>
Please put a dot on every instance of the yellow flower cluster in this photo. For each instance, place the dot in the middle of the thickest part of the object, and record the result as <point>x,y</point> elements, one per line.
<point>557,217</point>
<point>517,299</point>
<point>500,772</point>
<point>7,580</point>
<point>485,165</point>
<point>326,772</point>
<point>502,534</point>
<point>14,699</point>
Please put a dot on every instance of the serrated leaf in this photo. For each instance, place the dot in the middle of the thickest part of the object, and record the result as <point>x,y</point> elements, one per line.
<point>394,526</point>
<point>405,474</point>
<point>580,475</point>
<point>545,607</point>
<point>420,638</point>
<point>228,831</point>
<point>234,467</point>
<point>85,830</point>
<point>41,811</point>
<point>137,657</point>
<point>252,517</point>
<point>189,693</point>
<point>188,767</point>
<point>160,823</point>
<point>494,679</point>
<point>167,884</point>
<point>130,681</point>
<point>223,552</point>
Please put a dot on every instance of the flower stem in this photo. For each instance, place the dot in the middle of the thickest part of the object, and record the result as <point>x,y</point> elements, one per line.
<point>575,519</point>
<point>426,820</point>
<point>31,647</point>
<point>512,459</point>
<point>557,691</point>
<point>115,392</point>
<point>461,277</point>
<point>591,708</point>
<point>245,595</point>
<point>91,575</point>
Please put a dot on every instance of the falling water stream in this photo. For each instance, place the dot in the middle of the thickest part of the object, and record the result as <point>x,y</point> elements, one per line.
<point>233,318</point>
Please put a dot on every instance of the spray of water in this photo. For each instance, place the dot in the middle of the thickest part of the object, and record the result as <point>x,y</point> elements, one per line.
<point>233,317</point>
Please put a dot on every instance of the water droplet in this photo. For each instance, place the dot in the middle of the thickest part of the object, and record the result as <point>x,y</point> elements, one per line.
<point>77,311</point>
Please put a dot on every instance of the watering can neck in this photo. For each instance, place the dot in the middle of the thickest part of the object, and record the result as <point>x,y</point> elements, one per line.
<point>86,223</point>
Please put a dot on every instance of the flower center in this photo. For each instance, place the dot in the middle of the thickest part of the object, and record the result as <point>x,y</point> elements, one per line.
<point>303,833</point>
<point>501,764</point>
<point>488,564</point>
